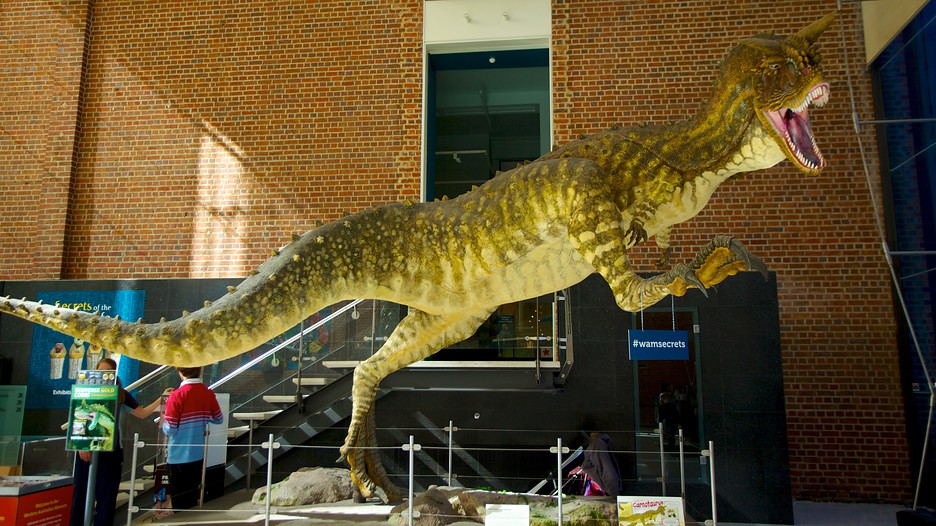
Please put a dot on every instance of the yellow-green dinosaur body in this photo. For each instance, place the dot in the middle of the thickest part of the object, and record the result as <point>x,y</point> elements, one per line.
<point>536,229</point>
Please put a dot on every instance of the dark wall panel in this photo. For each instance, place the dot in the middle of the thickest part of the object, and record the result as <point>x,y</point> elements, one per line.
<point>741,397</point>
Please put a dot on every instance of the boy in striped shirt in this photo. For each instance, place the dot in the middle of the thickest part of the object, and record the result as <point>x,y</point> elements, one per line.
<point>189,410</point>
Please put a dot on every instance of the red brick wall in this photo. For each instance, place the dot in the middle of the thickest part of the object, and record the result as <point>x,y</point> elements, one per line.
<point>43,57</point>
<point>207,133</point>
<point>210,133</point>
<point>636,62</point>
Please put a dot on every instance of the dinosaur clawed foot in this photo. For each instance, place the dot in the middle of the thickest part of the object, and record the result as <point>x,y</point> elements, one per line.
<point>664,260</point>
<point>725,256</point>
<point>635,234</point>
<point>363,458</point>
<point>677,280</point>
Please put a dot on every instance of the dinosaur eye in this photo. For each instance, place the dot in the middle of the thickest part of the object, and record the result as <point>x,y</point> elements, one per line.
<point>774,67</point>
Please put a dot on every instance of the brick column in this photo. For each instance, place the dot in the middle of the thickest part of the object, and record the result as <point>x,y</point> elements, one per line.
<point>67,61</point>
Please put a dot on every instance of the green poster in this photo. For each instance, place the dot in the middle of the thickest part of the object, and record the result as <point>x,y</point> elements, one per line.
<point>12,407</point>
<point>92,421</point>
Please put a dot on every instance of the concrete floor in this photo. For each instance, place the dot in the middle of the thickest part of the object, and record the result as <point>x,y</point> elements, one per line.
<point>236,509</point>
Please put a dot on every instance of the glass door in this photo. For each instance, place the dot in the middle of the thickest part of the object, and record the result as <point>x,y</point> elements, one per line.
<point>674,382</point>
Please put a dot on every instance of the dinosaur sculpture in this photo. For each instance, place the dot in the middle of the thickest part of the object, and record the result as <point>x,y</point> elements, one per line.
<point>530,231</point>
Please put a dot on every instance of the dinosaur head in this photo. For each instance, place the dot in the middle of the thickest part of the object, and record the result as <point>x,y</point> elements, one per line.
<point>785,79</point>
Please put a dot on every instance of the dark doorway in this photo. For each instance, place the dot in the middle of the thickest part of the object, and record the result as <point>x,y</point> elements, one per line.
<point>680,378</point>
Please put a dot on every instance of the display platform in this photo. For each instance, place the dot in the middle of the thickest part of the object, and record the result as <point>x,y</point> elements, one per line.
<point>35,500</point>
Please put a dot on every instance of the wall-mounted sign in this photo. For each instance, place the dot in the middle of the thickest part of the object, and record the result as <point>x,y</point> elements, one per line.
<point>12,406</point>
<point>56,358</point>
<point>658,345</point>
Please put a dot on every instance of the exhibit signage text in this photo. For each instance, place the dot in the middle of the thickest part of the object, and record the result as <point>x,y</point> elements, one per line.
<point>658,345</point>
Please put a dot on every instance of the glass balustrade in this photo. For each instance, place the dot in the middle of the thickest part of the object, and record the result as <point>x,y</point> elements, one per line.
<point>327,346</point>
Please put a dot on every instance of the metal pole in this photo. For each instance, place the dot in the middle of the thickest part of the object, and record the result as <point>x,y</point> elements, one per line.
<point>451,428</point>
<point>22,468</point>
<point>270,445</point>
<point>374,314</point>
<point>662,461</point>
<point>89,496</point>
<point>559,478</point>
<point>897,121</point>
<point>250,428</point>
<point>412,453</point>
<point>711,455</point>
<point>204,462</point>
<point>555,326</point>
<point>299,368</point>
<point>682,466</point>
<point>929,382</point>
<point>130,507</point>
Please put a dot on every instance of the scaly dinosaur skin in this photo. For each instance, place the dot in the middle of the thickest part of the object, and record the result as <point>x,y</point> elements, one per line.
<point>536,229</point>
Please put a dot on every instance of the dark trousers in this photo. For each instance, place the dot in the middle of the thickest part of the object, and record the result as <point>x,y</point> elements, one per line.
<point>185,483</point>
<point>107,484</point>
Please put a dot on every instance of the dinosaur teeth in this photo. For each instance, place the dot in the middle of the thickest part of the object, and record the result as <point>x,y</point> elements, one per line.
<point>818,95</point>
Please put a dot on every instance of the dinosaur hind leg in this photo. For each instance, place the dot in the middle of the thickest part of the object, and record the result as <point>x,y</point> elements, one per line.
<point>368,468</point>
<point>418,336</point>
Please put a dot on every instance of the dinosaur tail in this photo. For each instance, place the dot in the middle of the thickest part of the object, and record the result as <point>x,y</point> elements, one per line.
<point>286,289</point>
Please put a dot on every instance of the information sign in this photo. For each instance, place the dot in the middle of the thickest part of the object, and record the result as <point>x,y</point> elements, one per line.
<point>506,515</point>
<point>12,406</point>
<point>658,345</point>
<point>92,421</point>
<point>651,511</point>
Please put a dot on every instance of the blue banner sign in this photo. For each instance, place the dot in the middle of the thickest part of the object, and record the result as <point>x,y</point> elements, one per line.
<point>56,358</point>
<point>658,345</point>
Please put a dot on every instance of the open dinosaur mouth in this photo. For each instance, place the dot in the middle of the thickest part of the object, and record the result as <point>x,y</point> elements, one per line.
<point>793,125</point>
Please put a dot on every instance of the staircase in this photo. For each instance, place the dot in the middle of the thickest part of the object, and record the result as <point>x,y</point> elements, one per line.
<point>341,339</point>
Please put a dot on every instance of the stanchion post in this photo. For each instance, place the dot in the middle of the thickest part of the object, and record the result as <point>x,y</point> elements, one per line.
<point>451,429</point>
<point>559,479</point>
<point>204,467</point>
<point>412,448</point>
<point>89,496</point>
<point>682,465</point>
<point>710,453</point>
<point>130,507</point>
<point>662,462</point>
<point>410,484</point>
<point>250,428</point>
<point>270,446</point>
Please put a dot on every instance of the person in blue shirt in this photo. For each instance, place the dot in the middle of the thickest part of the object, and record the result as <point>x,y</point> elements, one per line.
<point>189,410</point>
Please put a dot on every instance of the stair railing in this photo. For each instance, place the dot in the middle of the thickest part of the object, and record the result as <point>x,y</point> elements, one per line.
<point>285,343</point>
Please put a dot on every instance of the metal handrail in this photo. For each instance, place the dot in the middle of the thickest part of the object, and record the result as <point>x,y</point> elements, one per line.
<point>155,372</point>
<point>292,339</point>
<point>162,368</point>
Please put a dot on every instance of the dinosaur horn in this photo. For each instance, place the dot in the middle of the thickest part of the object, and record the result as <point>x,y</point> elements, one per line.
<point>762,44</point>
<point>813,31</point>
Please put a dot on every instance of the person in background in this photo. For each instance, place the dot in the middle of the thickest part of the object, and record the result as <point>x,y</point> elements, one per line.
<point>668,415</point>
<point>189,410</point>
<point>110,463</point>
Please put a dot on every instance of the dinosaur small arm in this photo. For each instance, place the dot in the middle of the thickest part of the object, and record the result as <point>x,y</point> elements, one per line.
<point>538,228</point>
